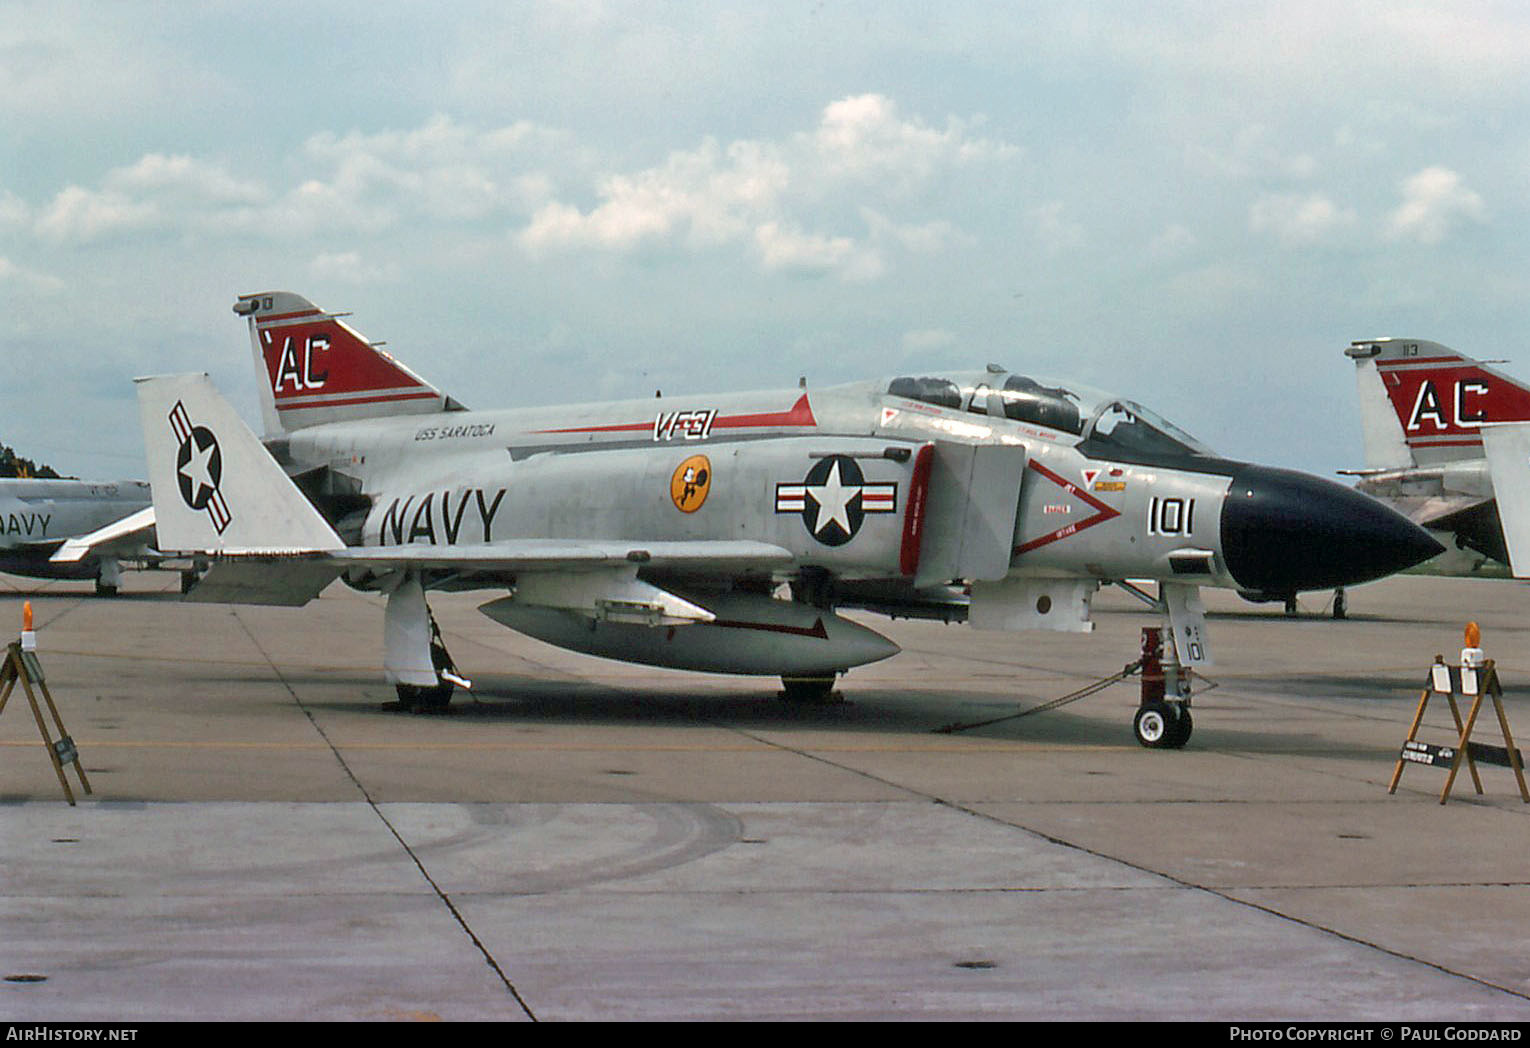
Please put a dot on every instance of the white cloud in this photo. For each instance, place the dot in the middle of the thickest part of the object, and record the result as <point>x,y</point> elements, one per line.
<point>769,193</point>
<point>16,276</point>
<point>786,249</point>
<point>864,138</point>
<point>1298,219</point>
<point>703,197</point>
<point>14,212</point>
<point>920,238</point>
<point>78,215</point>
<point>1054,230</point>
<point>439,172</point>
<point>348,267</point>
<point>1434,203</point>
<point>1254,152</point>
<point>444,170</point>
<point>1174,240</point>
<point>183,177</point>
<point>924,340</point>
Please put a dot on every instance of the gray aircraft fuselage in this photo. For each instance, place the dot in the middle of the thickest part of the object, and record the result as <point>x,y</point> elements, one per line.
<point>1105,490</point>
<point>36,516</point>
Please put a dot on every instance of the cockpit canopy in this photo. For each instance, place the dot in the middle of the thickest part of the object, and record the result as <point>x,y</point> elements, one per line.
<point>1106,425</point>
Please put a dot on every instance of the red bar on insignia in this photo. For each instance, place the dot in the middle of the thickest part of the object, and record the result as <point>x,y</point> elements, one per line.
<point>180,423</point>
<point>791,498</point>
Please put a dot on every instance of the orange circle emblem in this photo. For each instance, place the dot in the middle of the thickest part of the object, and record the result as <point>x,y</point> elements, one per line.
<point>690,483</point>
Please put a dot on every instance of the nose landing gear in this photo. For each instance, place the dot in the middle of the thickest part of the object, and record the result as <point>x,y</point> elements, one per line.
<point>1163,719</point>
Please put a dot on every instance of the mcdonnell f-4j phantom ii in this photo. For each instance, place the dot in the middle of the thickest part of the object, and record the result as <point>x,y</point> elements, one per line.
<point>725,533</point>
<point>75,529</point>
<point>1424,411</point>
<point>1447,443</point>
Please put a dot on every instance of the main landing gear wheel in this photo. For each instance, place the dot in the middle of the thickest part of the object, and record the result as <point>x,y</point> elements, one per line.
<point>808,690</point>
<point>417,699</point>
<point>1163,725</point>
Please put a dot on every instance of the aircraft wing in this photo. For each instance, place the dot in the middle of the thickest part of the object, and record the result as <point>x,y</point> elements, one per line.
<point>127,534</point>
<point>522,555</point>
<point>569,574</point>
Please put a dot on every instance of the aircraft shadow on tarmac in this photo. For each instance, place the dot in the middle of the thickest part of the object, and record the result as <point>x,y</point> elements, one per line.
<point>45,592</point>
<point>1101,721</point>
<point>510,700</point>
<point>1276,616</point>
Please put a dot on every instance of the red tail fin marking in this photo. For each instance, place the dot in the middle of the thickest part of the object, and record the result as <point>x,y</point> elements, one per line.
<point>1442,401</point>
<point>314,361</point>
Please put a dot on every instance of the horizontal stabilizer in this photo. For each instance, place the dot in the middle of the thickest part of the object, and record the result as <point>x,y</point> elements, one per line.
<point>133,528</point>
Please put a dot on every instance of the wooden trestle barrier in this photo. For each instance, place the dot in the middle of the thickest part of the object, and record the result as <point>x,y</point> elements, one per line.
<point>21,666</point>
<point>1478,682</point>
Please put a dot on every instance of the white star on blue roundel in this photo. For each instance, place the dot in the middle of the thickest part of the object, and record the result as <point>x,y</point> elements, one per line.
<point>834,498</point>
<point>199,467</point>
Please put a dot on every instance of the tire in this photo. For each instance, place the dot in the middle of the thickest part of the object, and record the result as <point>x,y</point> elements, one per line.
<point>417,699</point>
<point>1162,726</point>
<point>1183,726</point>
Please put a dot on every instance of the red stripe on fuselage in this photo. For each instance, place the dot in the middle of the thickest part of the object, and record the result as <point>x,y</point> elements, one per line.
<point>800,414</point>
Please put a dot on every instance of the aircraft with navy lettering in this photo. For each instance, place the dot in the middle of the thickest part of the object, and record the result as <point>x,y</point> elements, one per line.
<point>728,533</point>
<point>1424,410</point>
<point>76,529</point>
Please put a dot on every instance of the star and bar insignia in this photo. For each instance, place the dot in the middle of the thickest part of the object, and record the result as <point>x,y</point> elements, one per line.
<point>199,468</point>
<point>834,499</point>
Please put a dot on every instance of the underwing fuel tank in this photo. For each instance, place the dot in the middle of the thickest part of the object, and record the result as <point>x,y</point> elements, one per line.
<point>751,634</point>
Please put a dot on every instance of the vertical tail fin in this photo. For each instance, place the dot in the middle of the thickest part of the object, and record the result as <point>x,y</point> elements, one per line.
<point>216,488</point>
<point>1423,404</point>
<point>314,368</point>
<point>1507,450</point>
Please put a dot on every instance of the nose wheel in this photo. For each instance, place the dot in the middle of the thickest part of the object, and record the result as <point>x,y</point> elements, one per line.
<point>1163,725</point>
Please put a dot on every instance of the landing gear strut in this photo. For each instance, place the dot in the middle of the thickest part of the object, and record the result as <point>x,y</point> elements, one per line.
<point>1163,719</point>
<point>109,578</point>
<point>414,655</point>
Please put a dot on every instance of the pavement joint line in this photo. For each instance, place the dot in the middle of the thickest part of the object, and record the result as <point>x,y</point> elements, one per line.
<point>1226,894</point>
<point>419,865</point>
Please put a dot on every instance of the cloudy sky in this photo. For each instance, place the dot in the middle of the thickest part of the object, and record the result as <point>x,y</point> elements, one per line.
<point>1196,205</point>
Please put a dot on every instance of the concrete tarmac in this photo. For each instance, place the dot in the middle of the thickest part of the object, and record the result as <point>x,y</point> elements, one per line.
<point>268,838</point>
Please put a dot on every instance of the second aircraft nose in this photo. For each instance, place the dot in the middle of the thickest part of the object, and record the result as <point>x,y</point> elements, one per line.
<point>1284,532</point>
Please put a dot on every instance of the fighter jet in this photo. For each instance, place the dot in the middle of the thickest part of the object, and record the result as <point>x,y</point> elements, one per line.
<point>1423,411</point>
<point>727,532</point>
<point>75,529</point>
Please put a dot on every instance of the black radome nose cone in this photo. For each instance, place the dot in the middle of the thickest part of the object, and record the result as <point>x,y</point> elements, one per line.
<point>1284,532</point>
